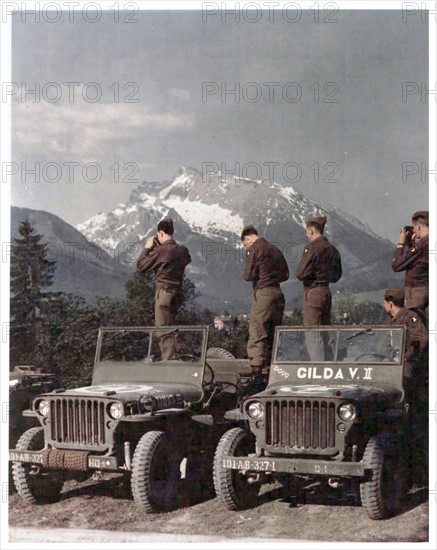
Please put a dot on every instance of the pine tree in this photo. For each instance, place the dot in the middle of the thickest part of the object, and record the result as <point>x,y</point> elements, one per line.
<point>31,272</point>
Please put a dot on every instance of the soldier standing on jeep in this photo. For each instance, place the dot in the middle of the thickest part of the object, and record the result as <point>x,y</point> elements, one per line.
<point>412,258</point>
<point>320,265</point>
<point>416,344</point>
<point>168,260</point>
<point>266,268</point>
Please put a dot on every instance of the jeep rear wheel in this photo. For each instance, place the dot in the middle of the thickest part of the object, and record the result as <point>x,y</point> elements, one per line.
<point>32,485</point>
<point>381,495</point>
<point>231,486</point>
<point>155,473</point>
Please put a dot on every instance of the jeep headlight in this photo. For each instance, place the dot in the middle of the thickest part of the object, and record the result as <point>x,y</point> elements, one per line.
<point>43,407</point>
<point>255,410</point>
<point>347,412</point>
<point>116,410</point>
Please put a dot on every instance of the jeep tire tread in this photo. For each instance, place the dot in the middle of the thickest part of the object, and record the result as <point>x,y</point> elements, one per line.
<point>231,486</point>
<point>155,473</point>
<point>382,493</point>
<point>43,487</point>
<point>219,353</point>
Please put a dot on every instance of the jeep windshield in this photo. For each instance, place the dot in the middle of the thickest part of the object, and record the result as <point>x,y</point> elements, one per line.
<point>151,354</point>
<point>338,355</point>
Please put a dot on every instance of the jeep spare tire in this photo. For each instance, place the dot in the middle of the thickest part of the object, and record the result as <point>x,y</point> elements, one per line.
<point>219,353</point>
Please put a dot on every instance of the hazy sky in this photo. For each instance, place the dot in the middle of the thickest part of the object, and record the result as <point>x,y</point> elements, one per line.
<point>335,111</point>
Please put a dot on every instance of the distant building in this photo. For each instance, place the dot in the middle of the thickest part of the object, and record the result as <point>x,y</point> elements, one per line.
<point>222,322</point>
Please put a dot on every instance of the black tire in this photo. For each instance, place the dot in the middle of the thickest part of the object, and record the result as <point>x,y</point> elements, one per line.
<point>155,473</point>
<point>231,486</point>
<point>42,487</point>
<point>382,494</point>
<point>219,353</point>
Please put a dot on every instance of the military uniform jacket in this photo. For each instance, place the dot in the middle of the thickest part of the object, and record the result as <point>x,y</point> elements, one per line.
<point>320,264</point>
<point>416,344</point>
<point>265,265</point>
<point>168,261</point>
<point>415,261</point>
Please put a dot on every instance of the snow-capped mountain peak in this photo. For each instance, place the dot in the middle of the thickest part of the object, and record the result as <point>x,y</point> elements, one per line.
<point>209,212</point>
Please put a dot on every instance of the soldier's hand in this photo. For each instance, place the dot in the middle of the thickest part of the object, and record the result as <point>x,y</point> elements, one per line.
<point>150,243</point>
<point>402,236</point>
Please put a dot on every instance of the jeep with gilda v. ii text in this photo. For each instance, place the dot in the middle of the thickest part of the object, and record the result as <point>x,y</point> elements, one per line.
<point>142,415</point>
<point>335,407</point>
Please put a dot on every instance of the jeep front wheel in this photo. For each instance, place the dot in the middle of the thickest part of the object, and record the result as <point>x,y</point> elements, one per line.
<point>155,473</point>
<point>381,494</point>
<point>231,486</point>
<point>33,484</point>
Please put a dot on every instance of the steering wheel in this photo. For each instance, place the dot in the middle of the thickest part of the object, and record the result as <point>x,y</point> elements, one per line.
<point>377,356</point>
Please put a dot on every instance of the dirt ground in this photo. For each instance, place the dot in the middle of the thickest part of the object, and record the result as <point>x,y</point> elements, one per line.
<point>317,513</point>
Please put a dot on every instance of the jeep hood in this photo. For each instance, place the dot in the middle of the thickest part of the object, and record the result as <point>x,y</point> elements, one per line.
<point>373,394</point>
<point>132,391</point>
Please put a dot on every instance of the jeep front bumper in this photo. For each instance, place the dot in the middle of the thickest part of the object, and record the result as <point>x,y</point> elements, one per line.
<point>294,466</point>
<point>92,462</point>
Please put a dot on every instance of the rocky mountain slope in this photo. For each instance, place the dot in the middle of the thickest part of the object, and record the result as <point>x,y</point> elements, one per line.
<point>210,211</point>
<point>83,268</point>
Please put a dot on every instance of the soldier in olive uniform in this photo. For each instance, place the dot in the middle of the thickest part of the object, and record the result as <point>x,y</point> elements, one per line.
<point>266,268</point>
<point>320,265</point>
<point>168,260</point>
<point>416,341</point>
<point>412,258</point>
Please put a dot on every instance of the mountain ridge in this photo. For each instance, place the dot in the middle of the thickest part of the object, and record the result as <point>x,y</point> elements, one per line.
<point>209,212</point>
<point>82,267</point>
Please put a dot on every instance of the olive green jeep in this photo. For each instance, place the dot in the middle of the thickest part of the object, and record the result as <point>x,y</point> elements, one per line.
<point>147,417</point>
<point>334,409</point>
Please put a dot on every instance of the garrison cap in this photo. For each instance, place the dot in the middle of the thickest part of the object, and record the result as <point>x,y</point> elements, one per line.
<point>319,221</point>
<point>248,230</point>
<point>394,293</point>
<point>421,214</point>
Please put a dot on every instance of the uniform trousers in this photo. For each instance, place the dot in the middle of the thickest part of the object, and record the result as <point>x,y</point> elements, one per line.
<point>265,314</point>
<point>317,303</point>
<point>167,304</point>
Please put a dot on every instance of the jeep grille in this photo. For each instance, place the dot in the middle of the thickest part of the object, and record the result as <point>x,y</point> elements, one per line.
<point>78,421</point>
<point>300,424</point>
